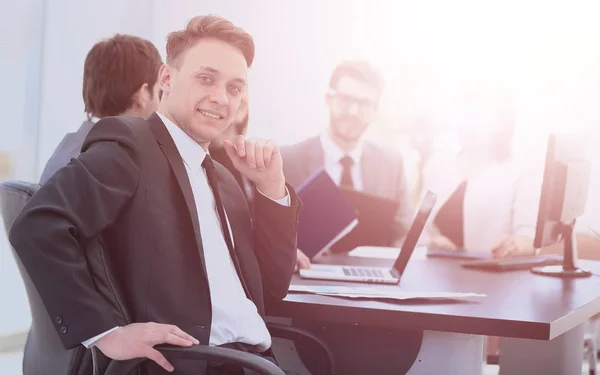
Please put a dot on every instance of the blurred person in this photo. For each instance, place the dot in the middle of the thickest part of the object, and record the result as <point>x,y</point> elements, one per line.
<point>355,89</point>
<point>487,201</point>
<point>120,78</point>
<point>190,261</point>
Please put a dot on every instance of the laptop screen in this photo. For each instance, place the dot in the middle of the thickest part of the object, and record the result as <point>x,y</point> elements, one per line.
<point>414,232</point>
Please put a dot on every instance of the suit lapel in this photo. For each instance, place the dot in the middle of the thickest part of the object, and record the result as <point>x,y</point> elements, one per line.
<point>176,162</point>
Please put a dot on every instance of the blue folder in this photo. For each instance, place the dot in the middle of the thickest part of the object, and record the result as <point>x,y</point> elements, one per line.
<point>326,214</point>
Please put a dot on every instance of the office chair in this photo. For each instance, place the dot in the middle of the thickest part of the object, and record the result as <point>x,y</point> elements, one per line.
<point>45,354</point>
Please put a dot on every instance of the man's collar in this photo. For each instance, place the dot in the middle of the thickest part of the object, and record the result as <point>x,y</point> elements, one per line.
<point>333,153</point>
<point>192,153</point>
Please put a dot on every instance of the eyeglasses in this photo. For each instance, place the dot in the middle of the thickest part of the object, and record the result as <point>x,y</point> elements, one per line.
<point>348,100</point>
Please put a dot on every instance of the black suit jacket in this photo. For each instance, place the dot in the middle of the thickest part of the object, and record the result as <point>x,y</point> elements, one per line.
<point>129,192</point>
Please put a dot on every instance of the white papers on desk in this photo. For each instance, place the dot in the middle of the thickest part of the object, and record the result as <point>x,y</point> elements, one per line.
<point>378,293</point>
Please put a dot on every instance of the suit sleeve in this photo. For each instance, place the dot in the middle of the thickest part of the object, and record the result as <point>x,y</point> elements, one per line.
<point>76,204</point>
<point>275,239</point>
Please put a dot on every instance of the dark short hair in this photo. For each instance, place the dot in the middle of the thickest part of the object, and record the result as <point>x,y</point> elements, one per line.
<point>209,26</point>
<point>114,70</point>
<point>359,70</point>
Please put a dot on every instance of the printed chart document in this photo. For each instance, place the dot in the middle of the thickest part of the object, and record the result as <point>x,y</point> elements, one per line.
<point>378,293</point>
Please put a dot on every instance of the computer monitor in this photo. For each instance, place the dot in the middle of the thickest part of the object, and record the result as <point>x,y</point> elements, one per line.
<point>563,199</point>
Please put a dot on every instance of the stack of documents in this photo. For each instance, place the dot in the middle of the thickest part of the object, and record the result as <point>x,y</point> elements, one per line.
<point>379,293</point>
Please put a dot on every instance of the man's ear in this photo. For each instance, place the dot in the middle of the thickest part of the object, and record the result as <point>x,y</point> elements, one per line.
<point>164,78</point>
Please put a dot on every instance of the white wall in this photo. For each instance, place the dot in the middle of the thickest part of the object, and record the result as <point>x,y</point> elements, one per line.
<point>20,63</point>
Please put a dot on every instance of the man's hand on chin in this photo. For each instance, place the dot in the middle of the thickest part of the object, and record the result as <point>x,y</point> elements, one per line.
<point>137,340</point>
<point>259,161</point>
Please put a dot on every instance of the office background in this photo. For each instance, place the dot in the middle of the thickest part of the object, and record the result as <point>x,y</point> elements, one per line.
<point>547,54</point>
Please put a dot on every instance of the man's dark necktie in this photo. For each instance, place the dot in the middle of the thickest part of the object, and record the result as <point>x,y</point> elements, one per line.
<point>347,163</point>
<point>220,155</point>
<point>209,167</point>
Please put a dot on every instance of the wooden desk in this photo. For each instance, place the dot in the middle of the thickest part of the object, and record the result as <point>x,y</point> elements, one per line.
<point>542,315</point>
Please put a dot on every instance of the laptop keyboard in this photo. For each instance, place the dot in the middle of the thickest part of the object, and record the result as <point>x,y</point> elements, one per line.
<point>363,272</point>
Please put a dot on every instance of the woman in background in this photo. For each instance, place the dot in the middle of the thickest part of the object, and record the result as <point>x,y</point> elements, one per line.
<point>486,201</point>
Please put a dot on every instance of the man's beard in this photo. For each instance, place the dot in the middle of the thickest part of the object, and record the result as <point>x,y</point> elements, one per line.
<point>336,124</point>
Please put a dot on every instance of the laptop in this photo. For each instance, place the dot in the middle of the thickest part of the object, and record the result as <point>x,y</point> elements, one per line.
<point>378,275</point>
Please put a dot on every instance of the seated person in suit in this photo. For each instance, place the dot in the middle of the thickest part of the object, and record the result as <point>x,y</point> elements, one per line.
<point>120,78</point>
<point>352,161</point>
<point>486,200</point>
<point>217,147</point>
<point>190,261</point>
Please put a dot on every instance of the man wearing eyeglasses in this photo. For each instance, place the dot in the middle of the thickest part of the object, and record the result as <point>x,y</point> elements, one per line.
<point>352,162</point>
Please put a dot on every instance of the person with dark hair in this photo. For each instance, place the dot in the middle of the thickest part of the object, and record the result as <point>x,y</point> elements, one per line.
<point>120,78</point>
<point>189,259</point>
<point>352,161</point>
<point>486,201</point>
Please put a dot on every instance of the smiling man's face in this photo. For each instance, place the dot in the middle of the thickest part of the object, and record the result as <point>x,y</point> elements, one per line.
<point>203,92</point>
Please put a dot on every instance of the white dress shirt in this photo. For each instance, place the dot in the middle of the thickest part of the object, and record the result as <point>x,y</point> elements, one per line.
<point>235,318</point>
<point>500,201</point>
<point>332,156</point>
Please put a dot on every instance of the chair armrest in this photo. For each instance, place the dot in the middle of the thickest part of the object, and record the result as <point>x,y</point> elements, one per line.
<point>324,357</point>
<point>201,352</point>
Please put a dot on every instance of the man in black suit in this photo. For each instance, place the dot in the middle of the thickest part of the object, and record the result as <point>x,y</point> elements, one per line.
<point>189,260</point>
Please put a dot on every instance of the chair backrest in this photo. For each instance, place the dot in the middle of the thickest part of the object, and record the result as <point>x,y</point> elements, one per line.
<point>44,352</point>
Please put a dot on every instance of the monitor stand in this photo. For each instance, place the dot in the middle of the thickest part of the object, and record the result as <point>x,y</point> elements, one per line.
<point>568,270</point>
